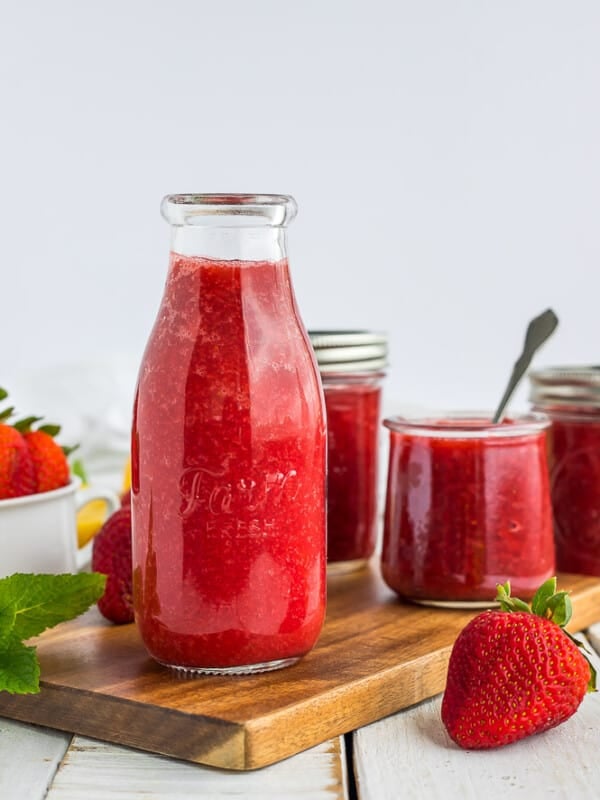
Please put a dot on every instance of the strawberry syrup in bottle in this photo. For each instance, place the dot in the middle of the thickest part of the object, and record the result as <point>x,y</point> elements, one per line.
<point>228,450</point>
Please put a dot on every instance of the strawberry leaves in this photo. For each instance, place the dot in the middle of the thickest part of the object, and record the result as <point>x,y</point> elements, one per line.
<point>549,604</point>
<point>29,604</point>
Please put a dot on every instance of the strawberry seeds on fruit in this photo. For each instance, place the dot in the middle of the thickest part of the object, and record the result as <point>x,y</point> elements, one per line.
<point>49,458</point>
<point>111,555</point>
<point>515,672</point>
<point>17,473</point>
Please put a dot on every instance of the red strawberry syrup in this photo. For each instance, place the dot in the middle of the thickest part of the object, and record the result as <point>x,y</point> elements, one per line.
<point>352,431</point>
<point>228,465</point>
<point>467,507</point>
<point>574,459</point>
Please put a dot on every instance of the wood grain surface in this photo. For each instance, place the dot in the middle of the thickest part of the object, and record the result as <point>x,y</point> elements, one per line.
<point>376,655</point>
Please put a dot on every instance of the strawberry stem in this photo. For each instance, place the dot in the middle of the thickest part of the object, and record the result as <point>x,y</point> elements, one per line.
<point>550,604</point>
<point>8,412</point>
<point>24,425</point>
<point>79,470</point>
<point>51,430</point>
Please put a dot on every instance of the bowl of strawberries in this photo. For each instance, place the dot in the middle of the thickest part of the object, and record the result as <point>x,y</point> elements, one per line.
<point>39,499</point>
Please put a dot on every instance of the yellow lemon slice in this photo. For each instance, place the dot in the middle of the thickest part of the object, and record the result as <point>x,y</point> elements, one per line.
<point>89,520</point>
<point>92,516</point>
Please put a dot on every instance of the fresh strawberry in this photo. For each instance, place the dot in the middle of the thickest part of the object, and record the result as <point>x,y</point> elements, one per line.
<point>49,459</point>
<point>514,674</point>
<point>112,555</point>
<point>17,471</point>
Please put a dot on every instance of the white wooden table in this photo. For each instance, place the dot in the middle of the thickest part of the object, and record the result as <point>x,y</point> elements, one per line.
<point>408,755</point>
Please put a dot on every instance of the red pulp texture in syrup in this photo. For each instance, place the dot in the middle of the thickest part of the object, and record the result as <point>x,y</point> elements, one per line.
<point>574,459</point>
<point>352,431</point>
<point>465,514</point>
<point>228,463</point>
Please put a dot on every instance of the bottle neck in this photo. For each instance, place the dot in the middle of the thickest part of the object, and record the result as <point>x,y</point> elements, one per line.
<point>230,243</point>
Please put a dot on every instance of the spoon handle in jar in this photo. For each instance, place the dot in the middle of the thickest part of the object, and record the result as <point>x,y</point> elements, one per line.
<point>539,329</point>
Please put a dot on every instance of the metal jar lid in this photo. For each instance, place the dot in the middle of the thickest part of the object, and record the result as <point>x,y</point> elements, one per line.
<point>349,351</point>
<point>566,387</point>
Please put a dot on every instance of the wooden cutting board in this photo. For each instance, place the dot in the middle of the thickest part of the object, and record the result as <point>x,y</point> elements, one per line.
<point>375,656</point>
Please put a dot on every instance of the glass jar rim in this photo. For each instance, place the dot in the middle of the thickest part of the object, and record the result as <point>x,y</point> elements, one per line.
<point>229,210</point>
<point>343,351</point>
<point>352,376</point>
<point>468,424</point>
<point>573,387</point>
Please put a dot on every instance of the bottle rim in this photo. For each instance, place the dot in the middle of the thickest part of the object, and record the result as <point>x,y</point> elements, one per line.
<point>229,210</point>
<point>468,425</point>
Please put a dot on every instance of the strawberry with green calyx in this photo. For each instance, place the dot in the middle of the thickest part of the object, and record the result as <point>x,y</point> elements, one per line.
<point>17,471</point>
<point>49,458</point>
<point>515,672</point>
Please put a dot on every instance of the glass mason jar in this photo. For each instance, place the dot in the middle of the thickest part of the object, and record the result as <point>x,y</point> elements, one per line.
<point>351,364</point>
<point>229,449</point>
<point>467,507</point>
<point>570,396</point>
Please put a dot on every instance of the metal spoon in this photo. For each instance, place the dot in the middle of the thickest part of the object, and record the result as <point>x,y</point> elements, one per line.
<point>538,330</point>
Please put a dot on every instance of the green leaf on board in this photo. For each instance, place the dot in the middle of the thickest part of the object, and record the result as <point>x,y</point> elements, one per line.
<point>19,668</point>
<point>42,601</point>
<point>29,604</point>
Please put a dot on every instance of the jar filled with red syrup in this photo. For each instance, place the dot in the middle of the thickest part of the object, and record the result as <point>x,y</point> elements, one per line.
<point>570,396</point>
<point>229,449</point>
<point>351,363</point>
<point>467,507</point>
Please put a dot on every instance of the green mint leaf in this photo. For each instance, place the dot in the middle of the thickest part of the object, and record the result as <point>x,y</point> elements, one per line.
<point>42,601</point>
<point>19,668</point>
<point>3,393</point>
<point>7,621</point>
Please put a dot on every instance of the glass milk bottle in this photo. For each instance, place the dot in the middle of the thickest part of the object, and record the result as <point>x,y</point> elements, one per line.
<point>229,449</point>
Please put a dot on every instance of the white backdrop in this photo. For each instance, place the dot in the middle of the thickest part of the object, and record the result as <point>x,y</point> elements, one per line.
<point>445,157</point>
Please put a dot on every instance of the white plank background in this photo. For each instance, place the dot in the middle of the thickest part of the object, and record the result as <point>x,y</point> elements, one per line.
<point>33,759</point>
<point>410,756</point>
<point>29,758</point>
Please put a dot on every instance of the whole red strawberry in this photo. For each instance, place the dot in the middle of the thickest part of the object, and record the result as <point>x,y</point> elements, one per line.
<point>17,472</point>
<point>112,555</point>
<point>514,674</point>
<point>49,459</point>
